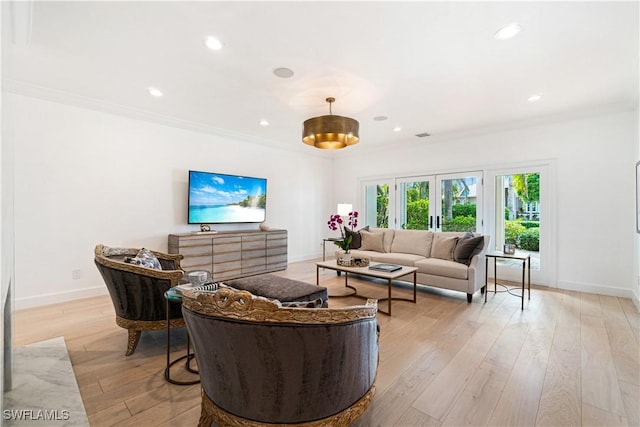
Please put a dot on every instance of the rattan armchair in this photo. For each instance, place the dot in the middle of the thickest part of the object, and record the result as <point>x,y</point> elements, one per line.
<point>137,292</point>
<point>264,364</point>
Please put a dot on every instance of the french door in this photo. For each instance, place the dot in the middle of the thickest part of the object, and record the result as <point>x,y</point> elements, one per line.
<point>447,202</point>
<point>519,210</point>
<point>521,215</point>
<point>450,202</point>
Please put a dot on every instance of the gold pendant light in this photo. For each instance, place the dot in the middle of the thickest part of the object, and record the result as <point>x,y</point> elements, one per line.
<point>330,132</point>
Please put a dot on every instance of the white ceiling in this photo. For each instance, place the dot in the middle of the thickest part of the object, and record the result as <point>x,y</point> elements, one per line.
<point>429,66</point>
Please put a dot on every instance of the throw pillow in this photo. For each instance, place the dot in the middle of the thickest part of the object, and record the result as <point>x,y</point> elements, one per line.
<point>443,247</point>
<point>145,258</point>
<point>417,242</point>
<point>371,241</point>
<point>356,239</point>
<point>465,247</point>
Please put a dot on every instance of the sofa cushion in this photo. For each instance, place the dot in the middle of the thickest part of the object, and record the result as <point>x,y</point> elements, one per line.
<point>465,248</point>
<point>356,239</point>
<point>372,241</point>
<point>416,242</point>
<point>443,247</point>
<point>441,267</point>
<point>398,258</point>
<point>387,257</point>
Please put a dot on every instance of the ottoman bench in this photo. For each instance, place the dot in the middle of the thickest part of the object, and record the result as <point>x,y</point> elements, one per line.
<point>280,288</point>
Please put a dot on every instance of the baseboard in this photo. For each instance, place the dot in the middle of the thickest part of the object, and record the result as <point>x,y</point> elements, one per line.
<point>57,297</point>
<point>307,257</point>
<point>595,289</point>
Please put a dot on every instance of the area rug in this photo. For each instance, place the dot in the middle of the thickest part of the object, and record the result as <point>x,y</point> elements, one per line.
<point>45,391</point>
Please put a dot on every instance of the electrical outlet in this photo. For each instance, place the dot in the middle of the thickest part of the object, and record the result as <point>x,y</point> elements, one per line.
<point>76,274</point>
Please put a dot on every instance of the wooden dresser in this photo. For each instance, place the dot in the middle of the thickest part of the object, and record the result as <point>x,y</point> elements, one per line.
<point>231,254</point>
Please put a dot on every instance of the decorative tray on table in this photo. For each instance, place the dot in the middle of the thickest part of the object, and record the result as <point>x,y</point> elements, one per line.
<point>353,262</point>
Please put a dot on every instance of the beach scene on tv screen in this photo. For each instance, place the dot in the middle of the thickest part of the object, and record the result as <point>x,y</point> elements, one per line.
<point>215,198</point>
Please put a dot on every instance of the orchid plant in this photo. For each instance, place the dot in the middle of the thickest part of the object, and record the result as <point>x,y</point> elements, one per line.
<point>336,223</point>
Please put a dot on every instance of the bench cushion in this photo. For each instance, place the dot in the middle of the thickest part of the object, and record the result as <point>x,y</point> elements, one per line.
<point>280,288</point>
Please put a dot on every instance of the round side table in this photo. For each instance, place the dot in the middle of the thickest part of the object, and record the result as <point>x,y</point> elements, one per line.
<point>174,297</point>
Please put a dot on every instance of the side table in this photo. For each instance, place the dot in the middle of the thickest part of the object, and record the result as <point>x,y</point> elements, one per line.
<point>324,243</point>
<point>173,296</point>
<point>526,262</point>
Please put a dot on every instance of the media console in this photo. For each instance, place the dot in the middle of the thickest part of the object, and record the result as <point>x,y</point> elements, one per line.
<point>232,254</point>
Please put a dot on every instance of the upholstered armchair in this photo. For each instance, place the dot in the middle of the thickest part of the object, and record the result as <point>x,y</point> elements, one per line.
<point>262,363</point>
<point>137,292</point>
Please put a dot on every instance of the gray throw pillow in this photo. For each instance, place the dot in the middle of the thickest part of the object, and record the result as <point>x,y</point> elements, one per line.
<point>145,258</point>
<point>372,241</point>
<point>465,247</point>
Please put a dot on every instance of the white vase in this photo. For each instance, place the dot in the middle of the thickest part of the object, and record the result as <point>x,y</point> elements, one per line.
<point>346,257</point>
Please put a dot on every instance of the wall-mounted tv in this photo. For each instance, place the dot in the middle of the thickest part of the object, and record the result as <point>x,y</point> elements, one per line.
<point>216,198</point>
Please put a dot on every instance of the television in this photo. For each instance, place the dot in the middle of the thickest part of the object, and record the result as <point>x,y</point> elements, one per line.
<point>216,198</point>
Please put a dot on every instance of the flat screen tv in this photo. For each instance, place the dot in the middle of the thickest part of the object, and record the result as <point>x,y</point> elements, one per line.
<point>216,198</point>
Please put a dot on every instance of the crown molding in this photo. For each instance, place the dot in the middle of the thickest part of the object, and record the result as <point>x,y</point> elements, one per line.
<point>549,119</point>
<point>68,98</point>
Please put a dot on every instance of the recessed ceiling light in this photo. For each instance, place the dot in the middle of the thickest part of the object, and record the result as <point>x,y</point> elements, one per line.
<point>534,98</point>
<point>380,118</point>
<point>510,31</point>
<point>264,122</point>
<point>283,73</point>
<point>154,91</point>
<point>397,129</point>
<point>213,43</point>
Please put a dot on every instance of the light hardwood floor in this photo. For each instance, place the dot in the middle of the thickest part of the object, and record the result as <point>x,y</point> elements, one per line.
<point>569,358</point>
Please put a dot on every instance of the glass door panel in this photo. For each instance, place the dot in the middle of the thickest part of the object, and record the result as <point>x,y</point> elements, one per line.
<point>522,205</point>
<point>518,200</point>
<point>377,202</point>
<point>414,211</point>
<point>460,195</point>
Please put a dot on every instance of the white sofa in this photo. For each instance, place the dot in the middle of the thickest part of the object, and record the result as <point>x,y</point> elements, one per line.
<point>439,256</point>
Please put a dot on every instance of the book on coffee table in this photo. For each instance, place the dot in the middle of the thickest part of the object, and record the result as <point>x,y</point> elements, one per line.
<point>386,267</point>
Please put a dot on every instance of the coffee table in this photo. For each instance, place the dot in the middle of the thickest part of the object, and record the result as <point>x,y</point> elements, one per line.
<point>366,271</point>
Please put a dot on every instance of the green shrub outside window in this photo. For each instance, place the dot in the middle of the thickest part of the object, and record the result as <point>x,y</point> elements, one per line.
<point>529,240</point>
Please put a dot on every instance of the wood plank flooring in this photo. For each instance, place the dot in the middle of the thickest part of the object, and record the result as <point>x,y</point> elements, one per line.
<point>569,358</point>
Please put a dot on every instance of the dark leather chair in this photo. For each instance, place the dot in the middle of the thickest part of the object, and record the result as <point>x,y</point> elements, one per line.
<point>137,292</point>
<point>261,363</point>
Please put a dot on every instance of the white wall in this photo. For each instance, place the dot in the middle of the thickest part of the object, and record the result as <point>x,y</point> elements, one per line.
<point>595,157</point>
<point>636,270</point>
<point>84,177</point>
